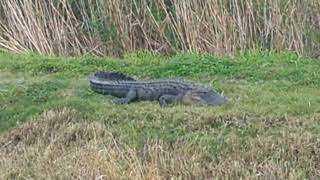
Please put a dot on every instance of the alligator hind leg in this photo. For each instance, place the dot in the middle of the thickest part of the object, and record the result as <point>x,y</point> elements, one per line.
<point>132,94</point>
<point>165,100</point>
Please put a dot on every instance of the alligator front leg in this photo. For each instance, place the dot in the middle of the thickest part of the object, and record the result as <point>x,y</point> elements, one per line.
<point>132,94</point>
<point>165,100</point>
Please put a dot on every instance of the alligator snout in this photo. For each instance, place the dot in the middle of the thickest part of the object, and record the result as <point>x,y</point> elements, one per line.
<point>216,100</point>
<point>204,96</point>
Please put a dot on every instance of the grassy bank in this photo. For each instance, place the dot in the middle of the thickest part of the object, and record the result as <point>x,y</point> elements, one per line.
<point>50,121</point>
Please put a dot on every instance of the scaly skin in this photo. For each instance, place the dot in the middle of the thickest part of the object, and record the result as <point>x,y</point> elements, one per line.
<point>166,92</point>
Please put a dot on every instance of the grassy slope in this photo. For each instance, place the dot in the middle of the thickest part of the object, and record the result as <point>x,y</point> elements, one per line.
<point>274,103</point>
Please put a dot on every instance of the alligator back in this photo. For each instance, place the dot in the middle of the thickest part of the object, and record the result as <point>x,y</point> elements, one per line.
<point>112,76</point>
<point>118,84</point>
<point>103,83</point>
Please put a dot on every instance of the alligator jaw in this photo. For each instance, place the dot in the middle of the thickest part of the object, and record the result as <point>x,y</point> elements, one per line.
<point>203,96</point>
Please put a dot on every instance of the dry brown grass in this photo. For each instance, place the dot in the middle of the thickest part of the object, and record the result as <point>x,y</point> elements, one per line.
<point>106,27</point>
<point>59,145</point>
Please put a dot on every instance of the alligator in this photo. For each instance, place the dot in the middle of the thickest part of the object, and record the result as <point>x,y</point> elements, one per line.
<point>127,89</point>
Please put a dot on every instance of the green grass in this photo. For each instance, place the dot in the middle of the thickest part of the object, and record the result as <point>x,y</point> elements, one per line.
<point>261,84</point>
<point>274,101</point>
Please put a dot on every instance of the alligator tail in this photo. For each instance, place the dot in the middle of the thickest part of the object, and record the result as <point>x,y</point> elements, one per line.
<point>112,76</point>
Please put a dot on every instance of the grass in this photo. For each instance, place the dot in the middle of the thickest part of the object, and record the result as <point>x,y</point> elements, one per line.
<point>50,121</point>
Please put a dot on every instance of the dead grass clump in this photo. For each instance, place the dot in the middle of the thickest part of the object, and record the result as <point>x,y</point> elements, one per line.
<point>283,156</point>
<point>59,145</point>
<point>198,120</point>
<point>43,129</point>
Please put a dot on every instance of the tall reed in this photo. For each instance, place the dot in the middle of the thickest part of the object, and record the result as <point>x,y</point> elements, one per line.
<point>113,27</point>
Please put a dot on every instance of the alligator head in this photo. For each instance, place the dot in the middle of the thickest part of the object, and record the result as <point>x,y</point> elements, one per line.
<point>203,96</point>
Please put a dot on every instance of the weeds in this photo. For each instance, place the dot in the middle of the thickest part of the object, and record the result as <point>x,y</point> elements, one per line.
<point>64,146</point>
<point>52,126</point>
<point>111,27</point>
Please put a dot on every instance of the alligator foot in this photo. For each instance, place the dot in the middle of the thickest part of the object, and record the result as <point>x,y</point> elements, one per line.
<point>165,100</point>
<point>120,101</point>
<point>132,94</point>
